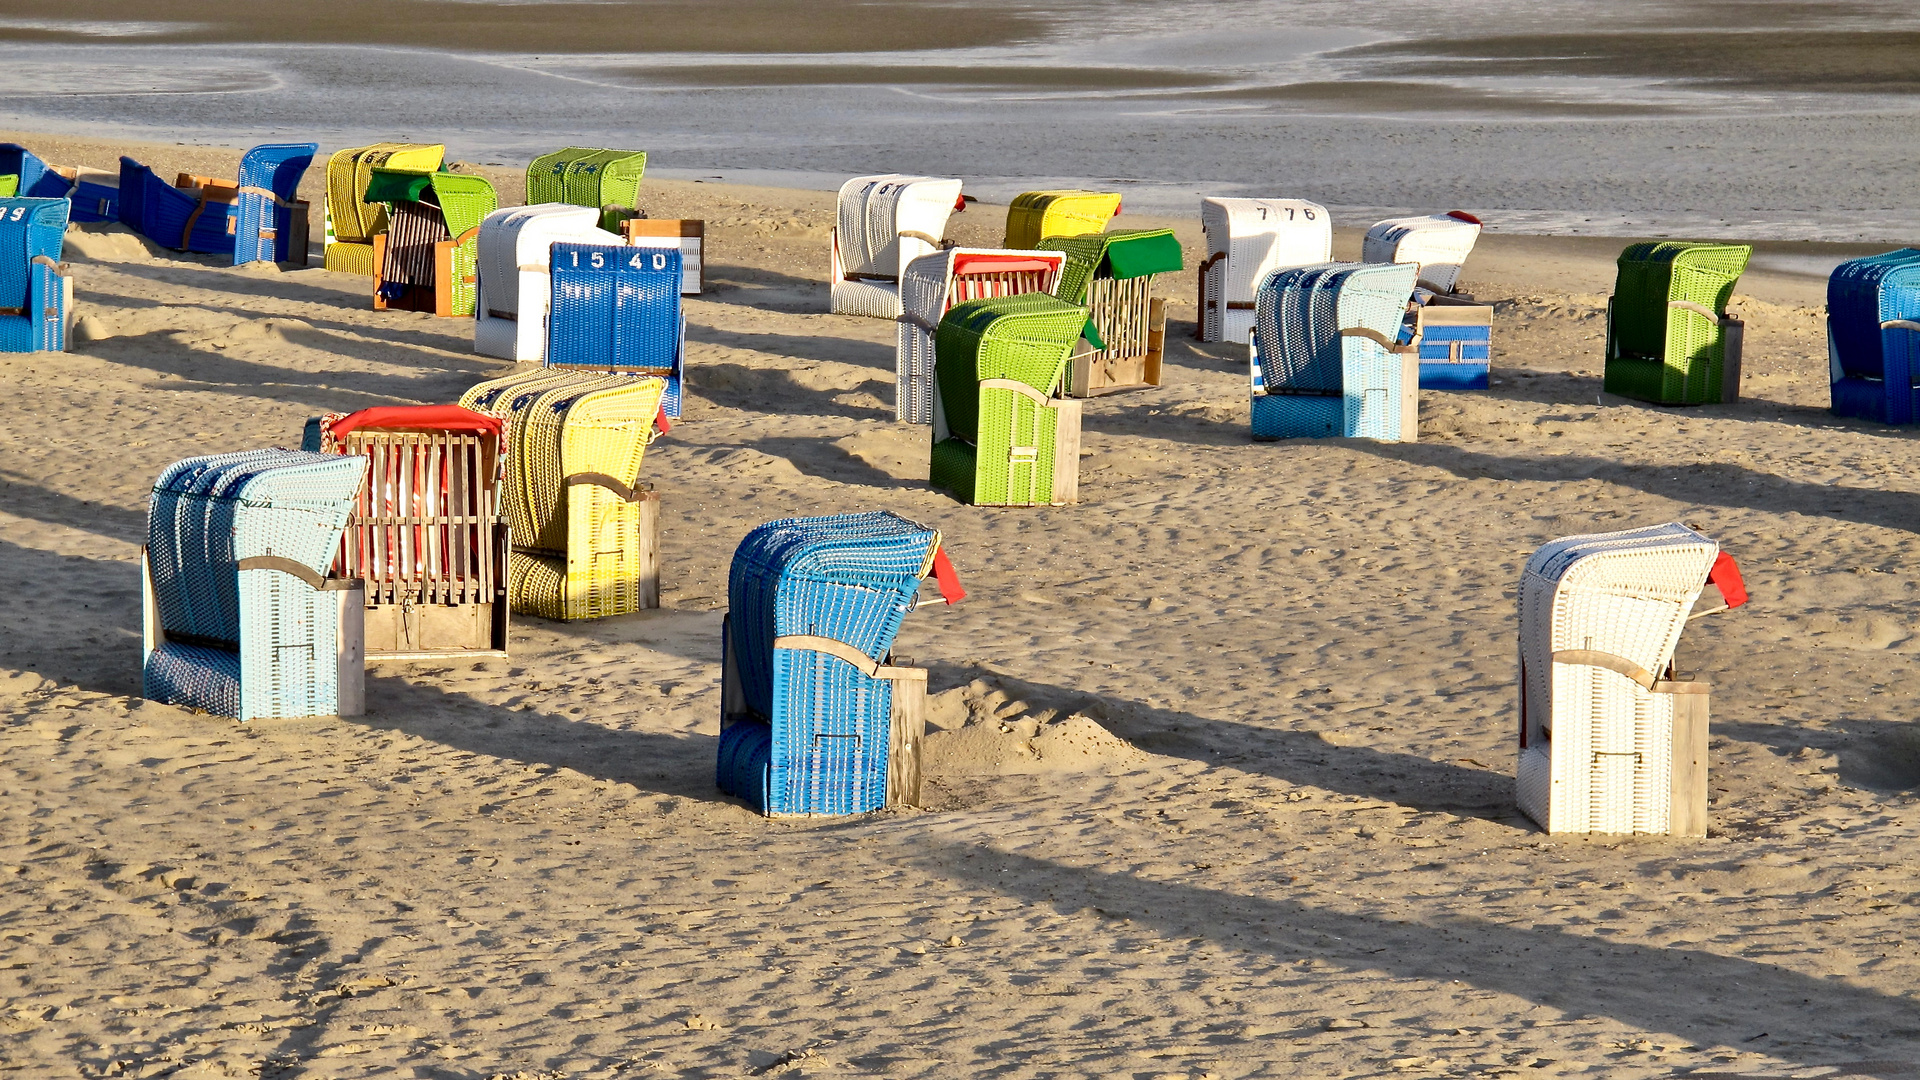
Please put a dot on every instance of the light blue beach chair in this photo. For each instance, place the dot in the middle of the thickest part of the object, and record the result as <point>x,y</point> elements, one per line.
<point>812,708</point>
<point>1873,337</point>
<point>617,309</point>
<point>35,296</point>
<point>241,618</point>
<point>1326,361</point>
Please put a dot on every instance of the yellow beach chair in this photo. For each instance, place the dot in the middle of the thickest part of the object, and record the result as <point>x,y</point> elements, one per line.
<point>352,221</point>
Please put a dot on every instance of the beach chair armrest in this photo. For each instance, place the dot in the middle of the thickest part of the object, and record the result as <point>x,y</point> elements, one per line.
<point>1610,661</point>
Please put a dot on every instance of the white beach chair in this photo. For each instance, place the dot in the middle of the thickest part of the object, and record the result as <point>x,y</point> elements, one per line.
<point>886,222</point>
<point>1439,243</point>
<point>1610,740</point>
<point>931,284</point>
<point>510,319</point>
<point>1247,239</point>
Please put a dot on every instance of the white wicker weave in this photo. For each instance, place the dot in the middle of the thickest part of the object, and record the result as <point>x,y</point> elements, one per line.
<point>929,286</point>
<point>1440,243</point>
<point>1596,746</point>
<point>885,222</point>
<point>1247,239</point>
<point>510,319</point>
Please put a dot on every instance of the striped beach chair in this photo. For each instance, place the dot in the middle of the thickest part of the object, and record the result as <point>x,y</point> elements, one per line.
<point>515,287</point>
<point>241,616</point>
<point>1036,214</point>
<point>1438,244</point>
<point>94,193</point>
<point>885,222</point>
<point>36,295</point>
<point>1669,337</point>
<point>617,309</point>
<point>585,529</point>
<point>427,259</point>
<point>1612,740</point>
<point>1325,356</point>
<point>1873,337</point>
<point>815,716</point>
<point>1001,436</point>
<point>1247,239</point>
<point>931,285</point>
<point>605,180</point>
<point>426,537</point>
<point>257,218</point>
<point>1111,275</point>
<point>352,221</point>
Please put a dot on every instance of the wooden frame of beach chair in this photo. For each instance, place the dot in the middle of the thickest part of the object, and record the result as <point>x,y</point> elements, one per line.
<point>1334,366</point>
<point>931,285</point>
<point>884,223</point>
<point>1437,243</point>
<point>1611,739</point>
<point>1112,274</point>
<point>1873,337</point>
<point>1456,342</point>
<point>463,202</point>
<point>515,283</point>
<point>690,236</point>
<point>1247,239</point>
<point>36,293</point>
<point>352,222</point>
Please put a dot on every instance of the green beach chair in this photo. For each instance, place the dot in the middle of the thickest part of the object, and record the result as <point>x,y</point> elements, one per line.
<point>1669,339</point>
<point>1112,274</point>
<point>425,260</point>
<point>1000,437</point>
<point>607,180</point>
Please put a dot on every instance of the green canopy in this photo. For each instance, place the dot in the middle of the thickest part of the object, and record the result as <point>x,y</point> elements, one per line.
<point>1128,253</point>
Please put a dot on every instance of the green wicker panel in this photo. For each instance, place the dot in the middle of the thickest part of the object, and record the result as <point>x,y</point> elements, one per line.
<point>952,468</point>
<point>1026,338</point>
<point>1015,450</point>
<point>1665,354</point>
<point>587,176</point>
<point>1122,255</point>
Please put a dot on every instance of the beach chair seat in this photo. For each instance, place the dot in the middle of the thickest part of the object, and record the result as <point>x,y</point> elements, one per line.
<point>36,295</point>
<point>815,716</point>
<point>1033,215</point>
<point>427,259</point>
<point>1111,275</point>
<point>1456,340</point>
<point>585,529</point>
<point>241,615</point>
<point>1247,239</point>
<point>1325,354</point>
<point>1438,244</point>
<point>885,222</point>
<point>1001,436</point>
<point>1670,340</point>
<point>617,309</point>
<point>688,236</point>
<point>515,289</point>
<point>351,221</point>
<point>605,180</point>
<point>1612,740</point>
<point>1873,337</point>
<point>931,285</point>
<point>257,218</point>
<point>426,537</point>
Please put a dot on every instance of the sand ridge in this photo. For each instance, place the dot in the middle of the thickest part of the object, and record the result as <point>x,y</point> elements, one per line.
<point>1220,783</point>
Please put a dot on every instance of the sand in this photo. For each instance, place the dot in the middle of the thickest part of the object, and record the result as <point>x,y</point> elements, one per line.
<point>1220,784</point>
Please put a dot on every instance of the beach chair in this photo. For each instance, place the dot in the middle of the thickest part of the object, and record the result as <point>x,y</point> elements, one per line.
<point>1455,338</point>
<point>616,309</point>
<point>1612,740</point>
<point>885,222</point>
<point>1325,356</point>
<point>1438,244</point>
<point>1036,214</point>
<point>427,259</point>
<point>1247,239</point>
<point>241,617</point>
<point>352,222</point>
<point>257,218</point>
<point>816,716</point>
<point>1111,275</point>
<point>606,180</point>
<point>1873,337</point>
<point>931,285</point>
<point>689,237</point>
<point>515,289</point>
<point>94,193</point>
<point>426,538</point>
<point>1001,437</point>
<point>36,295</point>
<point>1670,340</point>
<point>585,529</point>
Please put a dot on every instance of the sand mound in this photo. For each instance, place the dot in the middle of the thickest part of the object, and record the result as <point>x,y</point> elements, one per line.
<point>746,461</point>
<point>981,730</point>
<point>897,450</point>
<point>106,243</point>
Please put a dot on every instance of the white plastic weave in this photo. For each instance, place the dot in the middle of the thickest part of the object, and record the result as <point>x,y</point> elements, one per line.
<point>885,222</point>
<point>929,288</point>
<point>510,319</point>
<point>1247,239</point>
<point>1439,243</point>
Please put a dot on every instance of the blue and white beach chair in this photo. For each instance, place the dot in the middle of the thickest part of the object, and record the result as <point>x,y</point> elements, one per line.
<point>35,297</point>
<point>617,309</point>
<point>1326,361</point>
<point>1873,337</point>
<point>241,618</point>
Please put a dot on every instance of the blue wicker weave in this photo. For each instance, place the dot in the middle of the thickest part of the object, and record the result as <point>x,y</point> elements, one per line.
<point>1874,365</point>
<point>254,227</point>
<point>817,741</point>
<point>617,308</point>
<point>32,235</point>
<point>258,641</point>
<point>1309,379</point>
<point>37,181</point>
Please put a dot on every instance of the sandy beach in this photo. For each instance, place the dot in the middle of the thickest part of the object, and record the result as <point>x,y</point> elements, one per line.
<point>1221,784</point>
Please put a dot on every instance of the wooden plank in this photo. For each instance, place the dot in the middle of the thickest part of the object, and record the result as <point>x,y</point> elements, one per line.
<point>906,731</point>
<point>351,662</point>
<point>1689,773</point>
<point>647,507</point>
<point>1156,341</point>
<point>1410,396</point>
<point>153,633</point>
<point>1066,451</point>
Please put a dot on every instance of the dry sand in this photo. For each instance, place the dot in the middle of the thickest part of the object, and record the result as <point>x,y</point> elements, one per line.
<point>1224,782</point>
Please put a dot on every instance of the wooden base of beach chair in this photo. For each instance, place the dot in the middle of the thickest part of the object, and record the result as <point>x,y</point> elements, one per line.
<point>435,299</point>
<point>1119,368</point>
<point>1689,771</point>
<point>428,631</point>
<point>1734,341</point>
